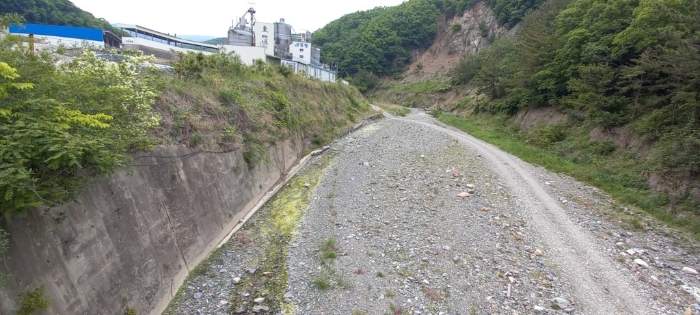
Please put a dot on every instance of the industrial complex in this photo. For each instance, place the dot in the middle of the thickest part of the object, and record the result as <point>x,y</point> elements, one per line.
<point>275,43</point>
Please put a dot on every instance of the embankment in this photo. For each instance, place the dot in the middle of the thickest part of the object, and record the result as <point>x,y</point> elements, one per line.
<point>128,241</point>
<point>226,134</point>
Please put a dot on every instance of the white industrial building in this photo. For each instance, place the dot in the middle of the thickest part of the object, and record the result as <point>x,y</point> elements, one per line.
<point>249,39</point>
<point>278,40</point>
<point>301,52</point>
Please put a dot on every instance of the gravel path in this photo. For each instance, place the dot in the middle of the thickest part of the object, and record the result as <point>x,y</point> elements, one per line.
<point>407,216</point>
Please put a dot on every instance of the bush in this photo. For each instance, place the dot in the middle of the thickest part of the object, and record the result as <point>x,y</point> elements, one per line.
<point>59,124</point>
<point>192,65</point>
<point>456,26</point>
<point>465,70</point>
<point>284,71</point>
<point>546,135</point>
<point>484,29</point>
<point>365,80</point>
<point>29,302</point>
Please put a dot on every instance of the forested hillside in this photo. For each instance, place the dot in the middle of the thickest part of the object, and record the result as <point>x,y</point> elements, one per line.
<point>380,40</point>
<point>625,75</point>
<point>217,41</point>
<point>615,63</point>
<point>56,12</point>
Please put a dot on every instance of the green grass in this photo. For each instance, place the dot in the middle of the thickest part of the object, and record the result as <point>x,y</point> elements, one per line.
<point>233,105</point>
<point>322,282</point>
<point>394,109</point>
<point>328,251</point>
<point>619,175</point>
<point>402,111</point>
<point>421,87</point>
<point>328,277</point>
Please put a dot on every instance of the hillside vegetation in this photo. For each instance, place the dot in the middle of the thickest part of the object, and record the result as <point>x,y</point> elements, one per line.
<point>380,41</point>
<point>54,12</point>
<point>626,74</point>
<point>63,125</point>
<point>622,63</point>
<point>217,41</point>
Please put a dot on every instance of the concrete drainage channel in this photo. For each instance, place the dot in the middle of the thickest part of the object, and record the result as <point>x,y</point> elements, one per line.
<point>290,175</point>
<point>271,194</point>
<point>247,273</point>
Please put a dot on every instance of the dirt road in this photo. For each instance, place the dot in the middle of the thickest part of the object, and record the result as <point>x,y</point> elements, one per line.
<point>597,284</point>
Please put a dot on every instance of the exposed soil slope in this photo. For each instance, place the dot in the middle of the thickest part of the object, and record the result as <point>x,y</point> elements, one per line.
<point>478,27</point>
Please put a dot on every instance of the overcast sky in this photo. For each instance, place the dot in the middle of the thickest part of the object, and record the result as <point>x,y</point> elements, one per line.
<point>213,17</point>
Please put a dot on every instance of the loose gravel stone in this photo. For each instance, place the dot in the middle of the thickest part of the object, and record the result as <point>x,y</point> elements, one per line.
<point>386,232</point>
<point>406,242</point>
<point>641,263</point>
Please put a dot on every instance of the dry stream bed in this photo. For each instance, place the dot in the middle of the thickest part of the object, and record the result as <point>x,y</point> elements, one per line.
<point>406,216</point>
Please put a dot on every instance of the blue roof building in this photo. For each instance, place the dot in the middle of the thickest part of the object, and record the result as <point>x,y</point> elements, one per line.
<point>83,33</point>
<point>55,35</point>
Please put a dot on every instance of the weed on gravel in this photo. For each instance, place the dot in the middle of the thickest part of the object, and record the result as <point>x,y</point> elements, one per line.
<point>249,273</point>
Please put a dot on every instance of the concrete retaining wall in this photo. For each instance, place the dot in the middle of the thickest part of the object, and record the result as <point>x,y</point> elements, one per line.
<point>130,240</point>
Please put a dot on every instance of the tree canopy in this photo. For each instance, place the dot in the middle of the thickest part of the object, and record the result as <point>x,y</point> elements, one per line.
<point>632,63</point>
<point>54,12</point>
<point>380,41</point>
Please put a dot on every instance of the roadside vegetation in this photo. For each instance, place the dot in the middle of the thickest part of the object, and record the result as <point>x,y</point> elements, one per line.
<point>394,109</point>
<point>218,102</point>
<point>568,150</point>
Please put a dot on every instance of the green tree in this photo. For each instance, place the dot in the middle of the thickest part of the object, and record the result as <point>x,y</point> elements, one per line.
<point>378,40</point>
<point>381,40</point>
<point>632,63</point>
<point>72,122</point>
<point>41,139</point>
<point>510,12</point>
<point>495,68</point>
<point>55,12</point>
<point>592,92</point>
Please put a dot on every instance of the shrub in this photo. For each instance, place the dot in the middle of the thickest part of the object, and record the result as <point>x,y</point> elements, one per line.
<point>484,29</point>
<point>29,302</point>
<point>546,135</point>
<point>73,120</point>
<point>192,65</point>
<point>365,80</point>
<point>196,140</point>
<point>284,71</point>
<point>465,70</point>
<point>456,26</point>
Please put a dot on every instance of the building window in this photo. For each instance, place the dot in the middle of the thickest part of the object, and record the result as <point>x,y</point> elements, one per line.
<point>301,56</point>
<point>301,50</point>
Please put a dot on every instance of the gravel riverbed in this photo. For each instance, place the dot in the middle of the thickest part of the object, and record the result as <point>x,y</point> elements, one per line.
<point>406,216</point>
